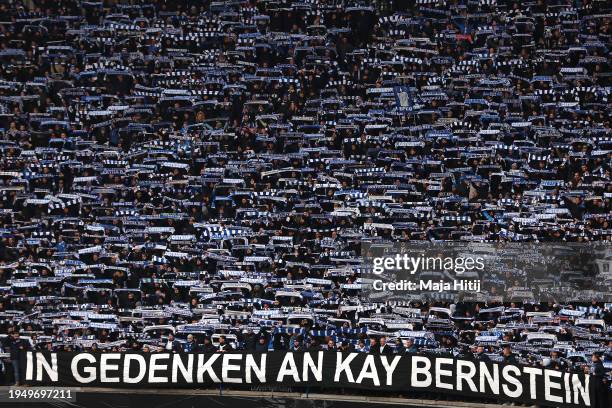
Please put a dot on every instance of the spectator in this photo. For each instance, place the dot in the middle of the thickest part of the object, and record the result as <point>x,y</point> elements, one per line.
<point>345,347</point>
<point>410,347</point>
<point>262,345</point>
<point>172,344</point>
<point>508,355</point>
<point>250,340</point>
<point>224,346</point>
<point>361,346</point>
<point>314,345</point>
<point>480,354</point>
<point>598,389</point>
<point>17,345</point>
<point>190,346</point>
<point>208,347</point>
<point>296,345</point>
<point>374,348</point>
<point>384,348</point>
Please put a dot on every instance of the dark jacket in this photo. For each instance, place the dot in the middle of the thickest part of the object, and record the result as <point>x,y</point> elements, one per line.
<point>209,348</point>
<point>176,346</point>
<point>598,369</point>
<point>511,359</point>
<point>191,347</point>
<point>482,357</point>
<point>250,342</point>
<point>17,346</point>
<point>261,348</point>
<point>225,347</point>
<point>385,350</point>
<point>411,350</point>
<point>314,347</point>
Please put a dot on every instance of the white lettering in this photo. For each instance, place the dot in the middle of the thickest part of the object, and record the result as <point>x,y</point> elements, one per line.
<point>512,380</point>
<point>390,368</point>
<point>467,377</point>
<point>142,368</point>
<point>87,370</point>
<point>260,371</point>
<point>207,367</point>
<point>580,390</point>
<point>50,369</point>
<point>309,364</point>
<point>228,366</point>
<point>177,365</point>
<point>369,371</point>
<point>550,385</point>
<point>288,368</point>
<point>29,366</point>
<point>492,380</point>
<point>532,379</point>
<point>106,366</point>
<point>344,366</point>
<point>154,366</point>
<point>416,370</point>
<point>440,373</point>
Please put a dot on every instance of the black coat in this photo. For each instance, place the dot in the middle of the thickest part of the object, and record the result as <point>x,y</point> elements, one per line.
<point>481,357</point>
<point>261,348</point>
<point>176,346</point>
<point>386,350</point>
<point>250,342</point>
<point>191,347</point>
<point>225,347</point>
<point>209,348</point>
<point>511,359</point>
<point>16,346</point>
<point>314,347</point>
<point>598,369</point>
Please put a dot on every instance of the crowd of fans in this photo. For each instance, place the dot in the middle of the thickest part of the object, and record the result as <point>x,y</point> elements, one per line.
<point>200,176</point>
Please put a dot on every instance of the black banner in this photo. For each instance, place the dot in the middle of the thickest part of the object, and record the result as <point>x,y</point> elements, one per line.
<point>462,377</point>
